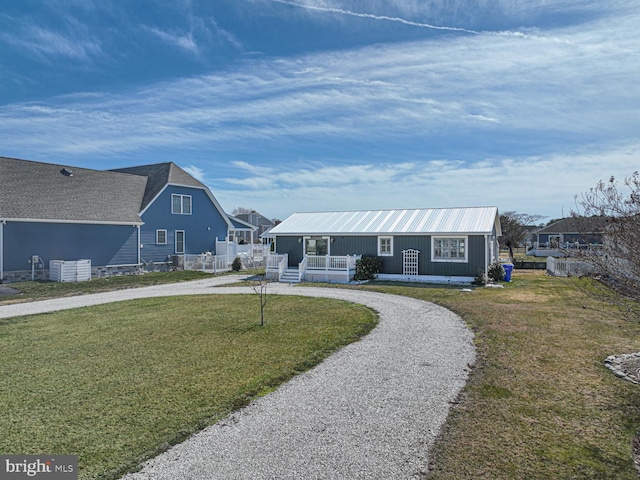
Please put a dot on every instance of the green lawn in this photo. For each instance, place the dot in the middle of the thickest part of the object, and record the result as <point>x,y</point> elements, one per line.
<point>540,404</point>
<point>118,383</point>
<point>42,290</point>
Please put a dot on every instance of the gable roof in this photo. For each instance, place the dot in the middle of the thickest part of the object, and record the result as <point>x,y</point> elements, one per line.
<point>239,224</point>
<point>162,174</point>
<point>159,175</point>
<point>51,192</point>
<point>471,220</point>
<point>256,219</point>
<point>575,225</point>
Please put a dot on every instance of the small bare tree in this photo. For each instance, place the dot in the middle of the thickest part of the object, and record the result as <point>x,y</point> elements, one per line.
<point>615,267</point>
<point>259,286</point>
<point>241,211</point>
<point>514,228</point>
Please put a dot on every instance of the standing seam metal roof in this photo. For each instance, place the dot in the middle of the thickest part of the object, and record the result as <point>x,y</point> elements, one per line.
<point>478,220</point>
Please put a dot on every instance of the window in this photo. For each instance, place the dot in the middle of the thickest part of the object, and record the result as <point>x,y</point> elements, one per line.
<point>316,246</point>
<point>161,237</point>
<point>179,241</point>
<point>181,204</point>
<point>449,249</point>
<point>385,246</point>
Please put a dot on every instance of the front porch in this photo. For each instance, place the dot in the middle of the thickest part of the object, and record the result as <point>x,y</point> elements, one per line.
<point>312,268</point>
<point>559,249</point>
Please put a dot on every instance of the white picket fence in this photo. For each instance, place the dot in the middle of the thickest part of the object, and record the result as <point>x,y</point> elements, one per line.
<point>567,267</point>
<point>206,263</point>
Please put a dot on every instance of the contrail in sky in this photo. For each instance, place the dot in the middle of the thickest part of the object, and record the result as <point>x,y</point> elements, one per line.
<point>395,19</point>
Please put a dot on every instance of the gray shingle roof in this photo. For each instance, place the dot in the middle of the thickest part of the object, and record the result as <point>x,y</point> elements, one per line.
<point>471,220</point>
<point>160,174</point>
<point>575,225</point>
<point>45,191</point>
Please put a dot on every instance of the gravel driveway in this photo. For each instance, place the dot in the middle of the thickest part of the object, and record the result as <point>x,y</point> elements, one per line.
<point>370,411</point>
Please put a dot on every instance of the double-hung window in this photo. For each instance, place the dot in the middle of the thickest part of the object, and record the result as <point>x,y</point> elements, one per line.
<point>449,249</point>
<point>385,246</point>
<point>181,204</point>
<point>161,237</point>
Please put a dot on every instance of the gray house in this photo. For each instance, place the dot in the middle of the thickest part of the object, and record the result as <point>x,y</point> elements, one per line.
<point>568,235</point>
<point>429,244</point>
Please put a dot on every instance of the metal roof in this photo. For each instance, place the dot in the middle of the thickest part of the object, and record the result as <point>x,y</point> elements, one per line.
<point>469,220</point>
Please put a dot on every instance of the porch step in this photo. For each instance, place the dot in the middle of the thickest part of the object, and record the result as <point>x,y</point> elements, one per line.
<point>290,275</point>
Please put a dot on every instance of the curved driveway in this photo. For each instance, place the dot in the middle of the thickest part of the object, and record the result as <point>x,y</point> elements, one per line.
<point>371,410</point>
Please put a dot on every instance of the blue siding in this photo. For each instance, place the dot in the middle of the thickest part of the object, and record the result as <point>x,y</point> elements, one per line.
<point>202,227</point>
<point>102,244</point>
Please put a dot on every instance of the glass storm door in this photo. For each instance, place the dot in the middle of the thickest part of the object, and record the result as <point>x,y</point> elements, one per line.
<point>316,246</point>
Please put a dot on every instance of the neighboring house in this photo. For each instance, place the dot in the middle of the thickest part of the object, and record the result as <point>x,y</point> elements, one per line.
<point>180,214</point>
<point>262,223</point>
<point>117,219</point>
<point>441,244</point>
<point>563,236</point>
<point>242,230</point>
<point>55,212</point>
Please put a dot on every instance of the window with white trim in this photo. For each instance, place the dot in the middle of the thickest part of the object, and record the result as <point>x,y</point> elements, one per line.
<point>179,241</point>
<point>385,246</point>
<point>161,237</point>
<point>449,249</point>
<point>181,204</point>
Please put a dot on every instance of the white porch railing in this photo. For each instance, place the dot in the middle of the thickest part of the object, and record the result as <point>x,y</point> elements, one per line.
<point>327,262</point>
<point>315,267</point>
<point>567,267</point>
<point>302,268</point>
<point>558,249</point>
<point>256,252</point>
<point>276,265</point>
<point>329,268</point>
<point>206,263</point>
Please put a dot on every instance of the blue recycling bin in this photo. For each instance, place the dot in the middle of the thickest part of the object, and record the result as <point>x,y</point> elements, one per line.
<point>508,268</point>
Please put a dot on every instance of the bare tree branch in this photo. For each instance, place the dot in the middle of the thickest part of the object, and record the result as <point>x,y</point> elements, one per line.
<point>614,209</point>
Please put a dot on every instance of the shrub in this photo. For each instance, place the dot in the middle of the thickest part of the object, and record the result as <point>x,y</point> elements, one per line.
<point>496,272</point>
<point>367,268</point>
<point>481,279</point>
<point>236,266</point>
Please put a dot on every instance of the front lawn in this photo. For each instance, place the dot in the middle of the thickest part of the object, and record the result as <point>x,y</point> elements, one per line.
<point>540,404</point>
<point>41,290</point>
<point>118,383</point>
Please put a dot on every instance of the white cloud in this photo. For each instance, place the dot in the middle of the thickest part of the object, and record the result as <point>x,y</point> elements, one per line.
<point>43,42</point>
<point>536,185</point>
<point>462,120</point>
<point>196,172</point>
<point>185,41</point>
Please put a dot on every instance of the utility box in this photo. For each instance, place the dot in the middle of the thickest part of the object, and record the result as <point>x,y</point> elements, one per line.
<point>69,270</point>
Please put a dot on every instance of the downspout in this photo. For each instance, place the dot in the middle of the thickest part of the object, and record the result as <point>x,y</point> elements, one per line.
<point>2,224</point>
<point>139,256</point>
<point>486,255</point>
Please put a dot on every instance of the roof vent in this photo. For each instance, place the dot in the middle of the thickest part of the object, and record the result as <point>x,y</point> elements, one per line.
<point>67,172</point>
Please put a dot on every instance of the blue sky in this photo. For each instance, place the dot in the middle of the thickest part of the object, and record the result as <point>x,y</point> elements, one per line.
<point>309,105</point>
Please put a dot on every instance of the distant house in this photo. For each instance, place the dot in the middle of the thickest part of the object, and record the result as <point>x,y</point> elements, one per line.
<point>439,245</point>
<point>262,223</point>
<point>118,219</point>
<point>563,236</point>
